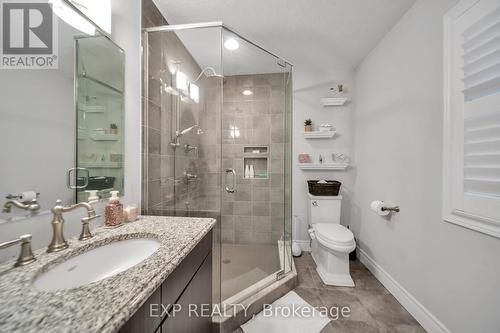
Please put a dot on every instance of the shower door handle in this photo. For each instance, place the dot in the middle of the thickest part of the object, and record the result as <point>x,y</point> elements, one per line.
<point>232,188</point>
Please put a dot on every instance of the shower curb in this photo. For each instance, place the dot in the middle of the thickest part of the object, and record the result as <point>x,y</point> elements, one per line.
<point>255,303</point>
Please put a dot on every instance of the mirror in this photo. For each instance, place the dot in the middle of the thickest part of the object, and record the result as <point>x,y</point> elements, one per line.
<point>100,123</point>
<point>53,119</point>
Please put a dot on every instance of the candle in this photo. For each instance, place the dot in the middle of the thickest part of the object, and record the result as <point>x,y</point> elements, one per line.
<point>130,213</point>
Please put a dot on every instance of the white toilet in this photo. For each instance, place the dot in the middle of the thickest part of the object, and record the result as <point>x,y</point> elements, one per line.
<point>331,241</point>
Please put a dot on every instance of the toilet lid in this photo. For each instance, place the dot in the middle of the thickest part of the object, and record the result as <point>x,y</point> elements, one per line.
<point>335,233</point>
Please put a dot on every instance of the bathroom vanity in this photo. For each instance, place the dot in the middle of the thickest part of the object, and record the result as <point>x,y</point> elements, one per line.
<point>189,285</point>
<point>138,299</point>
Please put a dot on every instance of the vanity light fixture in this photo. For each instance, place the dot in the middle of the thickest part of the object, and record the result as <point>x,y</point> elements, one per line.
<point>98,11</point>
<point>71,17</point>
<point>194,92</point>
<point>181,82</point>
<point>247,92</point>
<point>231,44</point>
<point>234,132</point>
<point>168,89</point>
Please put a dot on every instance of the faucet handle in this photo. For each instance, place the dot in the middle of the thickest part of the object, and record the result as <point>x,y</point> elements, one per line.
<point>86,234</point>
<point>26,255</point>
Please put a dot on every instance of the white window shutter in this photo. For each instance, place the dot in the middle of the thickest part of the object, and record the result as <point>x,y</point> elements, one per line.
<point>471,195</point>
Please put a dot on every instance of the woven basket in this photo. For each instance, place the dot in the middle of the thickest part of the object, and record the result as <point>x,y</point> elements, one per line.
<point>330,188</point>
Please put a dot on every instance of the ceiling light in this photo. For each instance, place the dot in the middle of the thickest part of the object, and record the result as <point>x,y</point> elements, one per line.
<point>231,44</point>
<point>247,92</point>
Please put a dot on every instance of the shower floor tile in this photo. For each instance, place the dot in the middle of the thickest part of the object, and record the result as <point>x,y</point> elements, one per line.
<point>245,264</point>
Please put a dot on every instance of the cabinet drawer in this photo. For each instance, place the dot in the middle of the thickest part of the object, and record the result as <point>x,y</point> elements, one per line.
<point>141,321</point>
<point>174,285</point>
<point>191,317</point>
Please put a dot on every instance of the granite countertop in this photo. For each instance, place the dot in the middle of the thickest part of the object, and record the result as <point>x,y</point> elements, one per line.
<point>103,306</point>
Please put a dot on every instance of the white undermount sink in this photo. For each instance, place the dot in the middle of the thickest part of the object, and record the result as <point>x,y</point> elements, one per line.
<point>97,264</point>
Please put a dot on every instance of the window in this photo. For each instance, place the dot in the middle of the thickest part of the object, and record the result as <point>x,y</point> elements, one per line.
<point>471,192</point>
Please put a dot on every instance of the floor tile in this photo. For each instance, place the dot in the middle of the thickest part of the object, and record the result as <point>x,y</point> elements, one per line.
<point>372,308</point>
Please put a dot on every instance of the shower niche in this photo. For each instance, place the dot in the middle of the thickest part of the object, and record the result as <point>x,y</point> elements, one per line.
<point>256,162</point>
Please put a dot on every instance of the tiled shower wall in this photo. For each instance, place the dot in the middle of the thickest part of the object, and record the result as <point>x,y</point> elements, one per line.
<point>164,187</point>
<point>255,212</point>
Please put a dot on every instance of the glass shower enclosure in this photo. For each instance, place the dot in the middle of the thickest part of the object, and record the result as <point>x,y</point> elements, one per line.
<point>217,143</point>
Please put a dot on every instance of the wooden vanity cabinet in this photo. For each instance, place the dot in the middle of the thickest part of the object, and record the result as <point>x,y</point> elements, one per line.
<point>185,292</point>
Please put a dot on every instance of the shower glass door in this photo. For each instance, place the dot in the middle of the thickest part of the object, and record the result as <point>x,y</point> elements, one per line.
<point>217,143</point>
<point>253,158</point>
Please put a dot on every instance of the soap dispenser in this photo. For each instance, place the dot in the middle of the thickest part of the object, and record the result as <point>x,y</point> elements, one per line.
<point>114,211</point>
<point>247,171</point>
<point>92,196</point>
<point>252,172</point>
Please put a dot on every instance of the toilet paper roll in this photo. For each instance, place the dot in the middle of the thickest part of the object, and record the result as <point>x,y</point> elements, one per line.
<point>376,206</point>
<point>311,233</point>
<point>27,196</point>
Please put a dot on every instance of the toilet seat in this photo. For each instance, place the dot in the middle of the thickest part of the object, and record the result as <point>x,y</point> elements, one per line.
<point>335,237</point>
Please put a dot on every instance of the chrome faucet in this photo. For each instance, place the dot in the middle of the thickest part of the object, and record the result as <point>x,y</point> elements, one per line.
<point>58,242</point>
<point>31,206</point>
<point>188,148</point>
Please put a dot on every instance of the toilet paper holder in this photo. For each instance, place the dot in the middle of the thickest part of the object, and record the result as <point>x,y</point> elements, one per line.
<point>394,209</point>
<point>20,196</point>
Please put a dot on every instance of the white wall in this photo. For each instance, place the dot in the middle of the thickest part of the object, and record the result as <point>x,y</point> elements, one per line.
<point>126,31</point>
<point>127,34</point>
<point>452,271</point>
<point>309,88</point>
<point>38,126</point>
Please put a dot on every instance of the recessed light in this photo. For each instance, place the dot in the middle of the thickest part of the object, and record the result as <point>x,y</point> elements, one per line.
<point>247,92</point>
<point>231,44</point>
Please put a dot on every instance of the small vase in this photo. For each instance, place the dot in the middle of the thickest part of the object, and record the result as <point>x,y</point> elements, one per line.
<point>113,131</point>
<point>308,128</point>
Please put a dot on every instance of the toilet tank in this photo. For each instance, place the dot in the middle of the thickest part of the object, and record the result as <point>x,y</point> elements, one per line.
<point>324,209</point>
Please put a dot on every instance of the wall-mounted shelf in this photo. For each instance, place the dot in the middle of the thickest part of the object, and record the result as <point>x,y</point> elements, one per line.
<point>91,108</point>
<point>324,166</point>
<point>333,101</point>
<point>319,135</point>
<point>255,150</point>
<point>101,165</point>
<point>105,137</point>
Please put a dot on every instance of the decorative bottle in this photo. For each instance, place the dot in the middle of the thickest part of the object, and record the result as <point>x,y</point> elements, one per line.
<point>114,211</point>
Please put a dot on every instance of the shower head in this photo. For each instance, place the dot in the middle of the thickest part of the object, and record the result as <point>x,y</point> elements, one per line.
<point>209,72</point>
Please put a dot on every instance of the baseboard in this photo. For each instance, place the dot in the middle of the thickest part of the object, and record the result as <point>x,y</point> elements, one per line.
<point>428,321</point>
<point>305,245</point>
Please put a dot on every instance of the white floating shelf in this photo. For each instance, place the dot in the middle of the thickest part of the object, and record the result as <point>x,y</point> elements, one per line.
<point>334,101</point>
<point>91,108</point>
<point>105,137</point>
<point>324,166</point>
<point>104,165</point>
<point>319,135</point>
